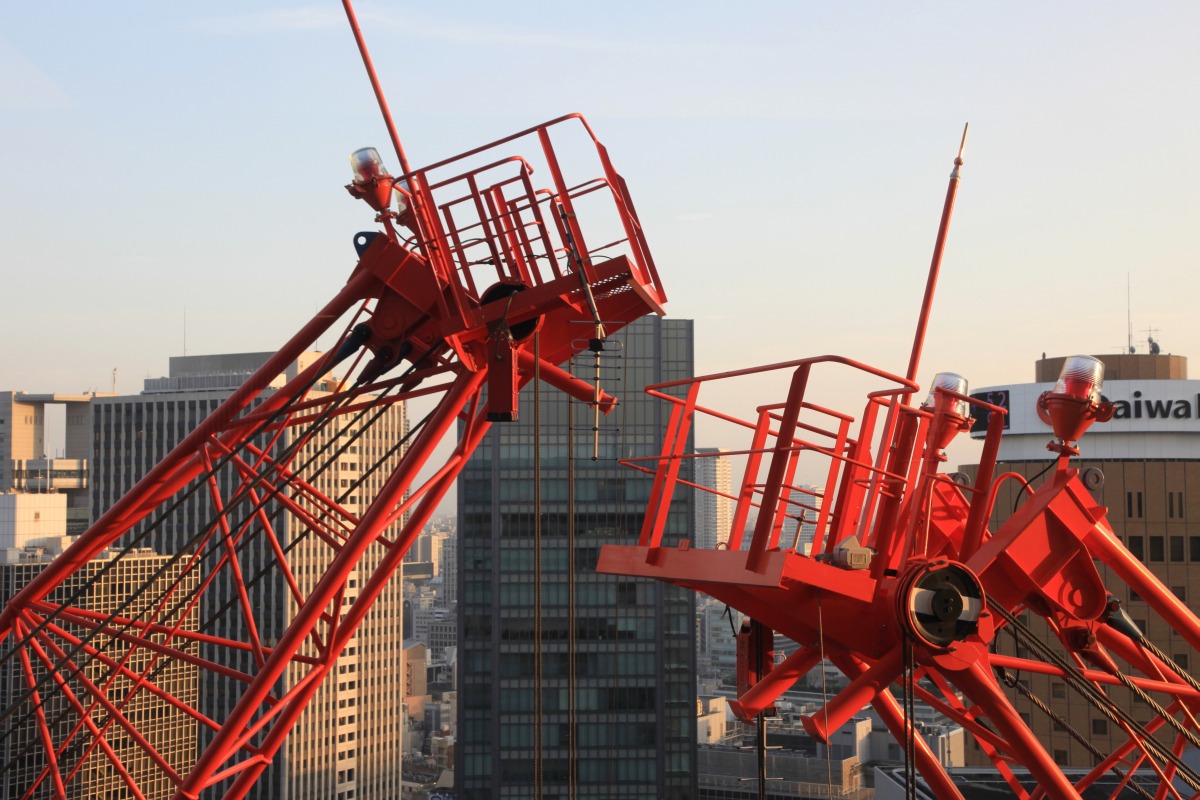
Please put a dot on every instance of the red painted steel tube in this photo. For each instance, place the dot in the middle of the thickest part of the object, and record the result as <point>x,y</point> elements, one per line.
<point>378,89</point>
<point>885,529</point>
<point>775,683</point>
<point>749,478</point>
<point>39,712</point>
<point>980,685</point>
<point>115,521</point>
<point>564,381</point>
<point>98,735</point>
<point>977,517</point>
<point>777,468</point>
<point>935,264</point>
<point>221,748</point>
<point>1105,544</point>
<point>865,685</point>
<point>666,487</point>
<point>891,714</point>
<point>370,592</point>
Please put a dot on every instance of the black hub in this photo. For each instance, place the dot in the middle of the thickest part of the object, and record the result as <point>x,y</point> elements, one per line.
<point>942,603</point>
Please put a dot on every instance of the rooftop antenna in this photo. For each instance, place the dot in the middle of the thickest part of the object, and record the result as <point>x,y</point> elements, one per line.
<point>185,330</point>
<point>1129,314</point>
<point>114,381</point>
<point>1155,347</point>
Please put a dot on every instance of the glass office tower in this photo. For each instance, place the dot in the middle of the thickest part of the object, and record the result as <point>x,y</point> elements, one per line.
<point>616,660</point>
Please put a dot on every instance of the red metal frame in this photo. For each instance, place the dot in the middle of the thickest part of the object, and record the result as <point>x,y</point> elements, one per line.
<point>426,298</point>
<point>940,585</point>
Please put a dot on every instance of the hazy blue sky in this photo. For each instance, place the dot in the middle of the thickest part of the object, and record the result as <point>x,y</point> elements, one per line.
<point>788,160</point>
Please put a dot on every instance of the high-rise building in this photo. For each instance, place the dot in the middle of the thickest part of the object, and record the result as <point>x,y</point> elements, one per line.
<point>609,661</point>
<point>25,463</point>
<point>32,535</point>
<point>1148,462</point>
<point>347,744</point>
<point>714,510</point>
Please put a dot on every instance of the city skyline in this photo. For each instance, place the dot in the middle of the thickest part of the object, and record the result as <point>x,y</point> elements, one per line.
<point>804,147</point>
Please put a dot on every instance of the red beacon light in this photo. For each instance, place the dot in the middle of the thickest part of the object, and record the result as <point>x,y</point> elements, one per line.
<point>372,182</point>
<point>1075,402</point>
<point>952,414</point>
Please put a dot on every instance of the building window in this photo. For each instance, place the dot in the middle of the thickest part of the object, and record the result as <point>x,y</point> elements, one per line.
<point>1133,505</point>
<point>1176,543</point>
<point>1100,727</point>
<point>1181,660</point>
<point>1060,756</point>
<point>1157,548</point>
<point>1058,690</point>
<point>1175,505</point>
<point>1137,547</point>
<point>1180,592</point>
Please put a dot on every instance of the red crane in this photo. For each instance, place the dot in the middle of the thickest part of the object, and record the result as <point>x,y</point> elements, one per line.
<point>906,588</point>
<point>490,269</point>
<point>477,282</point>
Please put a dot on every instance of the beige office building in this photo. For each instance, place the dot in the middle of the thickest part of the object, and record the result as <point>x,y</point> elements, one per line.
<point>1149,454</point>
<point>348,743</point>
<point>32,535</point>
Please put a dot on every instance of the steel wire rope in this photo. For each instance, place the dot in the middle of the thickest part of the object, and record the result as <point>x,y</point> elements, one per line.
<point>179,499</point>
<point>106,627</point>
<point>538,644</point>
<point>315,428</point>
<point>1099,699</point>
<point>246,540</point>
<point>572,701</point>
<point>359,431</point>
<point>24,641</point>
<point>824,692</point>
<point>1186,676</point>
<point>1012,682</point>
<point>910,722</point>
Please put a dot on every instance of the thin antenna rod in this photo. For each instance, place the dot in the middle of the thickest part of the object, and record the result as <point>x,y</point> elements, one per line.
<point>383,106</point>
<point>936,264</point>
<point>1129,312</point>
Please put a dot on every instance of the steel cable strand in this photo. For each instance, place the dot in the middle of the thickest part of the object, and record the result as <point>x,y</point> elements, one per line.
<point>1042,706</point>
<point>229,603</point>
<point>538,644</point>
<point>334,358</point>
<point>1098,699</point>
<point>246,541</point>
<point>1176,668</point>
<point>106,627</point>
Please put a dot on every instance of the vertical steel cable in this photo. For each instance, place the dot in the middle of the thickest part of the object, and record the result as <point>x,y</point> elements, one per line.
<point>537,565</point>
<point>572,710</point>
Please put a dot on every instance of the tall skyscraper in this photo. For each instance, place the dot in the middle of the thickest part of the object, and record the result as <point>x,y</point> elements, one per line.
<point>714,511</point>
<point>348,742</point>
<point>613,657</point>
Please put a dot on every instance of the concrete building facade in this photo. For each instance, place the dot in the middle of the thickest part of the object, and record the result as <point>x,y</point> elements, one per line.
<point>26,465</point>
<point>32,535</point>
<point>348,742</point>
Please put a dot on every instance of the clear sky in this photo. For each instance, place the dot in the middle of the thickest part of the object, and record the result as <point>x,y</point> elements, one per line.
<point>788,160</point>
